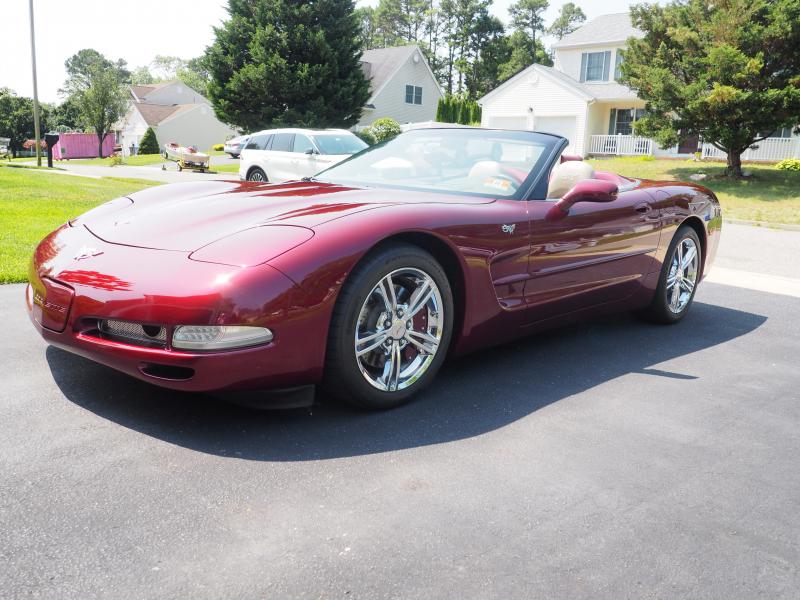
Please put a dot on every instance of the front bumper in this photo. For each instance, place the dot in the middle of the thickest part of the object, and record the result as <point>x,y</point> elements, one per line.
<point>165,288</point>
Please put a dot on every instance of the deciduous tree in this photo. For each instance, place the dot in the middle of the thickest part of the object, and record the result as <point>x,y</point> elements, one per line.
<point>567,21</point>
<point>727,70</point>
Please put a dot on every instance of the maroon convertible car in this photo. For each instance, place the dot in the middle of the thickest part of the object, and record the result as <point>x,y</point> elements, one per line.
<point>363,278</point>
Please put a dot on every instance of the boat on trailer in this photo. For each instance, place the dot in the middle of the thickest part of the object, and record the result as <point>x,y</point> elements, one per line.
<point>187,158</point>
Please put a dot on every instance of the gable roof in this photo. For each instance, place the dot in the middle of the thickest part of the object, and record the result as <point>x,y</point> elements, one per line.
<point>154,114</point>
<point>381,64</point>
<point>605,29</point>
<point>607,90</point>
<point>140,92</point>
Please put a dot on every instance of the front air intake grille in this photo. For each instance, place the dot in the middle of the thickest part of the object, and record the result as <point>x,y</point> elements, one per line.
<point>133,333</point>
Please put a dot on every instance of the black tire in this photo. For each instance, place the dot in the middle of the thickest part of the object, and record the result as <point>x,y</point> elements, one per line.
<point>343,378</point>
<point>659,310</point>
<point>254,173</point>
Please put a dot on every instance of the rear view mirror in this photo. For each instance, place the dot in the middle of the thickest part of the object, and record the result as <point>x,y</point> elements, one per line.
<point>588,190</point>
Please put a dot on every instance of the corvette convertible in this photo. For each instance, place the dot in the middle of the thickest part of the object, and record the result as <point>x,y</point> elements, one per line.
<point>364,278</point>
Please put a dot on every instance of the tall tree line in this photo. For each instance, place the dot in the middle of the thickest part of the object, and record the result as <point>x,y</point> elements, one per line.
<point>469,50</point>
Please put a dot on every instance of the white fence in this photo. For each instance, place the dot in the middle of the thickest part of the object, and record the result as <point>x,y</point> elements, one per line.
<point>621,145</point>
<point>770,149</point>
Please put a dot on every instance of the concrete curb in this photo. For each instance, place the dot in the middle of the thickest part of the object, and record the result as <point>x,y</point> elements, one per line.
<point>764,224</point>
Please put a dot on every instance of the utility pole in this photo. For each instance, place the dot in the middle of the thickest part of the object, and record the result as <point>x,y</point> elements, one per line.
<point>37,133</point>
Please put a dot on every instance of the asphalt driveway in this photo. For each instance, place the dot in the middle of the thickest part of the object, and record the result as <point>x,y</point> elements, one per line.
<point>606,460</point>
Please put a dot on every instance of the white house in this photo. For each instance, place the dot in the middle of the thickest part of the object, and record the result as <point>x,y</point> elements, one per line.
<point>401,84</point>
<point>579,98</point>
<point>175,112</point>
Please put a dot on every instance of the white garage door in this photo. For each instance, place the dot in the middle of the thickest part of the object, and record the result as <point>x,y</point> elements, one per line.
<point>520,122</point>
<point>564,126</point>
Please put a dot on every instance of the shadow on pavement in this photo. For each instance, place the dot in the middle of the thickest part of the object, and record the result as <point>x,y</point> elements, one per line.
<point>472,395</point>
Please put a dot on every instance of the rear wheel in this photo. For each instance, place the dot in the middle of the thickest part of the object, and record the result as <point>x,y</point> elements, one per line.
<point>390,330</point>
<point>256,175</point>
<point>679,277</point>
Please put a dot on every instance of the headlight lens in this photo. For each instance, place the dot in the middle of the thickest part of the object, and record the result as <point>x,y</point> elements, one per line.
<point>219,337</point>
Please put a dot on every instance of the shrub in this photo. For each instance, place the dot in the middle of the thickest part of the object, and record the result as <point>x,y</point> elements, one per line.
<point>789,164</point>
<point>385,129</point>
<point>367,136</point>
<point>218,147</point>
<point>115,160</point>
<point>149,143</point>
<point>458,109</point>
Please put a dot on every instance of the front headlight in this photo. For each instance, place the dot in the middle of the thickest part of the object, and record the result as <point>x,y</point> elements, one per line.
<point>219,337</point>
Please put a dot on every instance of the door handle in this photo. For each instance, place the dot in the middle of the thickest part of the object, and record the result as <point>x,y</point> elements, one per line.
<point>643,208</point>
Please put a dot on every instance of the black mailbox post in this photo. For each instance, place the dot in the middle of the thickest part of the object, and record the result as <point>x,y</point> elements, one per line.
<point>51,139</point>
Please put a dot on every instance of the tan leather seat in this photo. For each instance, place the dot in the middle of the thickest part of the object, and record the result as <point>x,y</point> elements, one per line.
<point>565,175</point>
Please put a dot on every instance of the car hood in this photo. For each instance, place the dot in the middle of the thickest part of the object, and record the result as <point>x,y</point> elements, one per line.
<point>185,217</point>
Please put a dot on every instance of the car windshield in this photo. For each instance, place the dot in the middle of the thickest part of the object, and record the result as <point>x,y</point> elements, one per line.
<point>471,161</point>
<point>345,143</point>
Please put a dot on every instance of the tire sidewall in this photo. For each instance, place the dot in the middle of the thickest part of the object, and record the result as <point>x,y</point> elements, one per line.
<point>357,390</point>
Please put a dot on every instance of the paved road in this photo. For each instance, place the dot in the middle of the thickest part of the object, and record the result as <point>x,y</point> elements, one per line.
<point>606,460</point>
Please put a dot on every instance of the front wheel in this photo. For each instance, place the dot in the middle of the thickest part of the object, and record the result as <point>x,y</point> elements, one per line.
<point>256,175</point>
<point>679,277</point>
<point>390,330</point>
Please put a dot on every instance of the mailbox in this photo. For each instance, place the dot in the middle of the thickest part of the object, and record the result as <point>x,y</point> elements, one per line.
<point>51,139</point>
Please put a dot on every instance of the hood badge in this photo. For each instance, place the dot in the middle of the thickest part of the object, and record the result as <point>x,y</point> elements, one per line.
<point>87,252</point>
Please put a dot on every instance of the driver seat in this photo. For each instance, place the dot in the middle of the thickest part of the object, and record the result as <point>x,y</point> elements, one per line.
<point>565,175</point>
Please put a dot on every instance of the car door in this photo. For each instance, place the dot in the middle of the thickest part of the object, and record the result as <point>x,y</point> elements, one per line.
<point>596,253</point>
<point>280,157</point>
<point>305,161</point>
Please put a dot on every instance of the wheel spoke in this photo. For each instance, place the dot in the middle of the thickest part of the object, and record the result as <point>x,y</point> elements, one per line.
<point>676,297</point>
<point>419,298</point>
<point>386,290</point>
<point>687,284</point>
<point>373,341</point>
<point>411,337</point>
<point>688,257</point>
<point>395,364</point>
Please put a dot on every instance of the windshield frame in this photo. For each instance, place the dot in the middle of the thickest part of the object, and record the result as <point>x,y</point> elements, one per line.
<point>554,146</point>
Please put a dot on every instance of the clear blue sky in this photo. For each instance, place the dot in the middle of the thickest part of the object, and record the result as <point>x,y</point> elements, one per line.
<point>137,30</point>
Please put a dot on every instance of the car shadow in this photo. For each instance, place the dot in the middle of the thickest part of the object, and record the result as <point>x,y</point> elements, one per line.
<point>471,395</point>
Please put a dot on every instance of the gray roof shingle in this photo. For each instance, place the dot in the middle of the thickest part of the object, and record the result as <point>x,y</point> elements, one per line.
<point>382,63</point>
<point>601,30</point>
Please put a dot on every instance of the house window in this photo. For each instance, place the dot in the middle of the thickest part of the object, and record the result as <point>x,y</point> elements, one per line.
<point>617,65</point>
<point>782,132</point>
<point>622,120</point>
<point>595,66</point>
<point>413,94</point>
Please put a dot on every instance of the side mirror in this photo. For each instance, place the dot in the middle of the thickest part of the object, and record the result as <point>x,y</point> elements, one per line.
<point>311,152</point>
<point>588,190</point>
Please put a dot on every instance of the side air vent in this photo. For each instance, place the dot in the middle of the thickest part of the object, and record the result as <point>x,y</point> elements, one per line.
<point>133,333</point>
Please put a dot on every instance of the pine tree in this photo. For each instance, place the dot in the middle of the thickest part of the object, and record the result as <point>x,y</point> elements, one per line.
<point>282,62</point>
<point>149,143</point>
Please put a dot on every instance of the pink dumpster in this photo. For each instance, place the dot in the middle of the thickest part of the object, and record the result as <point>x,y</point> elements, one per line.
<point>81,145</point>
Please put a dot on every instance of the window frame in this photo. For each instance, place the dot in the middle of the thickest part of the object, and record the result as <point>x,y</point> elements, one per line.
<point>291,142</point>
<point>411,92</point>
<point>605,66</point>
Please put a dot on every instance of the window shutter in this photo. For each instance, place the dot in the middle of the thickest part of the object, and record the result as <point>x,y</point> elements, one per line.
<point>612,122</point>
<point>618,62</point>
<point>606,64</point>
<point>584,57</point>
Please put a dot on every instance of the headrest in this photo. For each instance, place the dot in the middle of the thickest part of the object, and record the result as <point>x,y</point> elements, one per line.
<point>564,176</point>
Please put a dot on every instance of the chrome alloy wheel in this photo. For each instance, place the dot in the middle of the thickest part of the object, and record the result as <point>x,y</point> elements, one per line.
<point>399,329</point>
<point>256,176</point>
<point>682,275</point>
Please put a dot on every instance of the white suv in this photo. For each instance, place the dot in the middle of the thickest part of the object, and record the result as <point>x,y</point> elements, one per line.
<point>278,155</point>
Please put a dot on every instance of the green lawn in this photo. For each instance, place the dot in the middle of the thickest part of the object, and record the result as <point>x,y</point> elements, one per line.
<point>768,195</point>
<point>33,203</point>
<point>139,160</point>
<point>226,168</point>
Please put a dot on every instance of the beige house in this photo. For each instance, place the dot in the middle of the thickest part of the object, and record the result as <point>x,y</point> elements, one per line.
<point>175,112</point>
<point>580,99</point>
<point>402,86</point>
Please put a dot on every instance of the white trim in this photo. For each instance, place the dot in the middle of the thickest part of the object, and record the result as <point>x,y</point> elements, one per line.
<point>541,71</point>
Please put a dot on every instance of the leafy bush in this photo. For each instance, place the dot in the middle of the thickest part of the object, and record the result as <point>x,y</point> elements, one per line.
<point>149,143</point>
<point>789,164</point>
<point>385,129</point>
<point>115,160</point>
<point>367,136</point>
<point>218,147</point>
